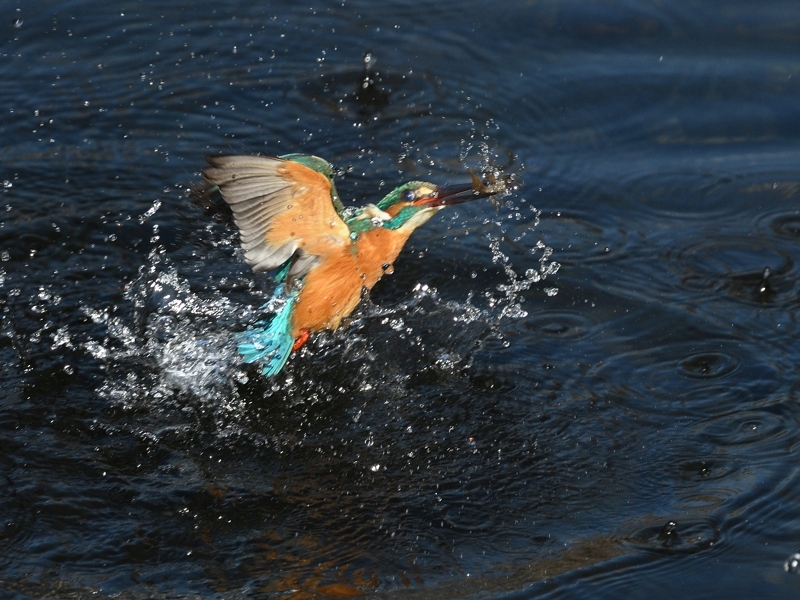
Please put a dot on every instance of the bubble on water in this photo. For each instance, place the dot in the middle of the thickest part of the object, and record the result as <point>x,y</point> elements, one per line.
<point>551,291</point>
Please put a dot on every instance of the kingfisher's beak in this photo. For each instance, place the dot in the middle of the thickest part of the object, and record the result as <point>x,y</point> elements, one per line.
<point>447,195</point>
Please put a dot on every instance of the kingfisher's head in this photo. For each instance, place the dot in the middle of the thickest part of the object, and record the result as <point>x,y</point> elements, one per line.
<point>407,207</point>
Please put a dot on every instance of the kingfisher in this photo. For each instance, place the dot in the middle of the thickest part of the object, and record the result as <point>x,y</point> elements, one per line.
<point>291,219</point>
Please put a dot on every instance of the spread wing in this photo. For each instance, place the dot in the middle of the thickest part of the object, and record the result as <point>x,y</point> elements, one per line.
<point>284,210</point>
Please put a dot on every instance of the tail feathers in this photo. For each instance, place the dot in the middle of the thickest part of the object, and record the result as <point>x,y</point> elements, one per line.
<point>271,344</point>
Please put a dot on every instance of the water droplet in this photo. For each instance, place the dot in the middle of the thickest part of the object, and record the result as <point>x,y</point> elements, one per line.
<point>150,212</point>
<point>551,291</point>
<point>792,564</point>
<point>62,338</point>
<point>532,275</point>
<point>375,468</point>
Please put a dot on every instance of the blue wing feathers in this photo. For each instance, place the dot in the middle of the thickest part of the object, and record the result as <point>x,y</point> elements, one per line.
<point>270,343</point>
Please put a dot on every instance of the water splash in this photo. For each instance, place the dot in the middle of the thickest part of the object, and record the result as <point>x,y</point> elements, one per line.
<point>510,303</point>
<point>174,350</point>
<point>175,341</point>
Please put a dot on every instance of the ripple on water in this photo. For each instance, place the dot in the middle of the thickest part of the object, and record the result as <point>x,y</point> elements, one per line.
<point>683,376</point>
<point>358,93</point>
<point>708,365</point>
<point>587,240</point>
<point>16,520</point>
<point>668,536</point>
<point>764,429</point>
<point>703,470</point>
<point>452,131</point>
<point>561,325</point>
<point>469,518</point>
<point>748,269</point>
<point>785,224</point>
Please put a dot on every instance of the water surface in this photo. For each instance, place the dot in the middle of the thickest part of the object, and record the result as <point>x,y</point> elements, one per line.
<point>590,391</point>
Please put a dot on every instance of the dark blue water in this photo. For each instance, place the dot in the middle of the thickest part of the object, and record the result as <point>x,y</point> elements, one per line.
<point>588,392</point>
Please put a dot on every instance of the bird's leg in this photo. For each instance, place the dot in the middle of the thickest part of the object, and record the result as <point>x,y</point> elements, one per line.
<point>301,339</point>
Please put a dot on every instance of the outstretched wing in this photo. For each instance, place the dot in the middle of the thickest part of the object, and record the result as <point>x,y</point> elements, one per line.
<point>284,209</point>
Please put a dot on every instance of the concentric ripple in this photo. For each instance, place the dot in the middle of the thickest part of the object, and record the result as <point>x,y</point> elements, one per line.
<point>672,536</point>
<point>560,325</point>
<point>358,93</point>
<point>689,376</point>
<point>748,269</point>
<point>708,365</point>
<point>785,224</point>
<point>763,429</point>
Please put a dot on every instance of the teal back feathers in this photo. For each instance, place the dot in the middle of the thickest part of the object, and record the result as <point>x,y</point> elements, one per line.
<point>272,343</point>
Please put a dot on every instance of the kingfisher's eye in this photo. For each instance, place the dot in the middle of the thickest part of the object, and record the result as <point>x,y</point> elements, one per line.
<point>409,195</point>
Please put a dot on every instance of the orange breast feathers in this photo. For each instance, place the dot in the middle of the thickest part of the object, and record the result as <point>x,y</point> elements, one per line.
<point>377,250</point>
<point>332,290</point>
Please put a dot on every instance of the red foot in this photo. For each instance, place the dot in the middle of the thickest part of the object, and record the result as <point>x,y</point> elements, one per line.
<point>301,339</point>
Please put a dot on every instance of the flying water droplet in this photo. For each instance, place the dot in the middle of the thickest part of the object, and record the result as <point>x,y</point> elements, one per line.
<point>150,212</point>
<point>792,564</point>
<point>61,338</point>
